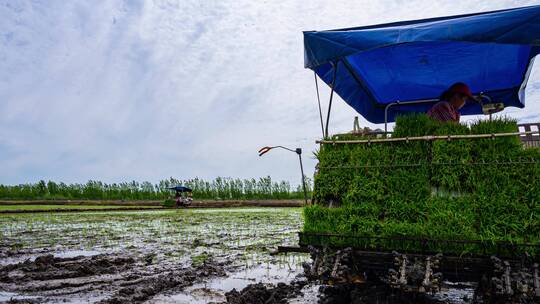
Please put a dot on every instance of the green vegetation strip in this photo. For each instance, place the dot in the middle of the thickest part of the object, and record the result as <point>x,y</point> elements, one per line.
<point>218,189</point>
<point>65,208</point>
<point>379,194</point>
<point>83,202</point>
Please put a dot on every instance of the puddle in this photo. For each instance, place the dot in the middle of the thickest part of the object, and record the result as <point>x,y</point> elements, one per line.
<point>59,254</point>
<point>75,253</point>
<point>194,296</point>
<point>214,290</point>
<point>456,293</point>
<point>7,296</point>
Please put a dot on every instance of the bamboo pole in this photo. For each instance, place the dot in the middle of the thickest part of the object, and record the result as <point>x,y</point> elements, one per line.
<point>425,138</point>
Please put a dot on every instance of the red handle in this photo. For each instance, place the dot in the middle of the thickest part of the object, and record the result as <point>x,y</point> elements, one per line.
<point>264,150</point>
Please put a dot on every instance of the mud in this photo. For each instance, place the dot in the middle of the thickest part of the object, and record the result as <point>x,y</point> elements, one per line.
<point>47,267</point>
<point>158,203</point>
<point>101,278</point>
<point>140,290</point>
<point>177,256</point>
<point>15,211</point>
<point>374,293</point>
<point>25,301</point>
<point>266,293</point>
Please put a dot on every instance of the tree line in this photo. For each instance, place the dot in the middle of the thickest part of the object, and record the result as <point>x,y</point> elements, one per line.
<point>219,189</point>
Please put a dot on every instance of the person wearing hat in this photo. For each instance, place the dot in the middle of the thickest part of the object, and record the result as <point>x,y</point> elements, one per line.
<point>451,101</point>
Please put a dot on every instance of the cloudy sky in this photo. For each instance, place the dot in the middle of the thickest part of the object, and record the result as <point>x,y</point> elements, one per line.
<point>145,90</point>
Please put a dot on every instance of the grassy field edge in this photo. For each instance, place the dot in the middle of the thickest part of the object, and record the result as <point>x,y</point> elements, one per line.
<point>9,207</point>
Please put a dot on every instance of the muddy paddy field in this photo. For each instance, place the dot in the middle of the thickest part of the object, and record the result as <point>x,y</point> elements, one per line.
<point>221,255</point>
<point>169,256</point>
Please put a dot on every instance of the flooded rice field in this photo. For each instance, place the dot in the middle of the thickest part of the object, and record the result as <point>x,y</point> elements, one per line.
<point>169,256</point>
<point>176,256</point>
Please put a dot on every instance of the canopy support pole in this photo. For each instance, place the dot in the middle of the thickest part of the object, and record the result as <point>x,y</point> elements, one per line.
<point>388,106</point>
<point>319,101</point>
<point>331,97</point>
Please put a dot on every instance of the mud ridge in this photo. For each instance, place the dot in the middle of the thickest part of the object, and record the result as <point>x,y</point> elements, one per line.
<point>48,267</point>
<point>111,278</point>
<point>265,293</point>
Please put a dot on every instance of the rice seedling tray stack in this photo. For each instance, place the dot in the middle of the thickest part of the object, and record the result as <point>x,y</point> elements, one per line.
<point>466,196</point>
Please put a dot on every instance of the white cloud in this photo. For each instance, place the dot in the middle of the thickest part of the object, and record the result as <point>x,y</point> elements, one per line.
<point>115,90</point>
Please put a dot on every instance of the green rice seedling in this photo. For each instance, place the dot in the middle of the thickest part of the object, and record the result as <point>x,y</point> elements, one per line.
<point>451,159</point>
<point>414,125</point>
<point>500,148</point>
<point>486,190</point>
<point>198,260</point>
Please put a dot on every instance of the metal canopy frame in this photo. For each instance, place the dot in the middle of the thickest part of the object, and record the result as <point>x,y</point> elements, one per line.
<point>324,127</point>
<point>397,103</point>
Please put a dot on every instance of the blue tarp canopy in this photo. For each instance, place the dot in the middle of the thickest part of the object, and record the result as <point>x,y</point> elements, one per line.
<point>181,189</point>
<point>376,65</point>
